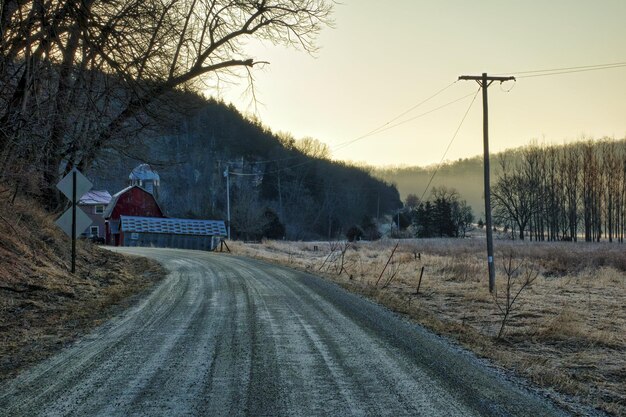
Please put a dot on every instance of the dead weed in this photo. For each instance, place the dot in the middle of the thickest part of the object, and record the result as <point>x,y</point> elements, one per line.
<point>43,307</point>
<point>568,332</point>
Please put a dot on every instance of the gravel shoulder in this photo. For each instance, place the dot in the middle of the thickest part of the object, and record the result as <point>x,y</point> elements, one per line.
<point>223,335</point>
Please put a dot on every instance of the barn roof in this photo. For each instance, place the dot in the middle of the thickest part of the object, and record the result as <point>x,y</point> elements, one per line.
<point>109,208</point>
<point>95,197</point>
<point>122,191</point>
<point>173,226</point>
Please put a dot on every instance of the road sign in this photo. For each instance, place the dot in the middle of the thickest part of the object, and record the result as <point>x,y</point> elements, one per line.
<point>74,220</point>
<point>82,184</point>
<point>65,222</point>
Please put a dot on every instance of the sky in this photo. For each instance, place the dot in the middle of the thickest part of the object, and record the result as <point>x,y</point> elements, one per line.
<point>379,61</point>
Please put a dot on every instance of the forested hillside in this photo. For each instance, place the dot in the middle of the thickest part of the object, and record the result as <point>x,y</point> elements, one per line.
<point>102,85</point>
<point>81,78</point>
<point>280,187</point>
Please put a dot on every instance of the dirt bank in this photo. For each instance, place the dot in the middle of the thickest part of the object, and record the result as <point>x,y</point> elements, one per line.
<point>43,307</point>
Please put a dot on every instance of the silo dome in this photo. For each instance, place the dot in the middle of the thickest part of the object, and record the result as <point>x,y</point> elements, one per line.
<point>145,177</point>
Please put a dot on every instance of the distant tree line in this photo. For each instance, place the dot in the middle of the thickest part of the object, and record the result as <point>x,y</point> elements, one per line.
<point>570,192</point>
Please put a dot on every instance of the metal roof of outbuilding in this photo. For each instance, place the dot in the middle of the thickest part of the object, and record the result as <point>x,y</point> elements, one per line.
<point>95,197</point>
<point>173,226</point>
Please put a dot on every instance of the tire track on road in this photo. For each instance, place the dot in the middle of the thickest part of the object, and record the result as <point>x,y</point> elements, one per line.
<point>227,336</point>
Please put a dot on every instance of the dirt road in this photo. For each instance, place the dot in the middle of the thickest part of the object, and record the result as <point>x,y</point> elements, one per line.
<point>224,336</point>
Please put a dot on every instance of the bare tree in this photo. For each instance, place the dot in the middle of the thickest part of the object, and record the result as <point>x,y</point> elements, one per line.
<point>412,202</point>
<point>512,196</point>
<point>570,174</point>
<point>313,148</point>
<point>547,191</point>
<point>77,75</point>
<point>518,277</point>
<point>444,193</point>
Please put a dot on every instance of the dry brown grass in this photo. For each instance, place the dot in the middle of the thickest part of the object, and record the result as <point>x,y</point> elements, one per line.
<point>43,307</point>
<point>568,331</point>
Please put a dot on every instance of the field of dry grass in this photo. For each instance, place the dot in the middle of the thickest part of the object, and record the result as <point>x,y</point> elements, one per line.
<point>566,330</point>
<point>43,307</point>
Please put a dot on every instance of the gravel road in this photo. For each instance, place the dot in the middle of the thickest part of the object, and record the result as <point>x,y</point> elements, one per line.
<point>226,336</point>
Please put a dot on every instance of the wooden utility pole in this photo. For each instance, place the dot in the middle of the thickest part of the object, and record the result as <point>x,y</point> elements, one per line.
<point>74,197</point>
<point>227,176</point>
<point>484,82</point>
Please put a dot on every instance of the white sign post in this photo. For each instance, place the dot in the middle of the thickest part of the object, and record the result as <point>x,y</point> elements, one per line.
<point>73,222</point>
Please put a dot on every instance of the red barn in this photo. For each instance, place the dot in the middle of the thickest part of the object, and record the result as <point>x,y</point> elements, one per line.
<point>131,201</point>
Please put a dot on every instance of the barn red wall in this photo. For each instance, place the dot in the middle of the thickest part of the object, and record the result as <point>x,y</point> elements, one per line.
<point>136,202</point>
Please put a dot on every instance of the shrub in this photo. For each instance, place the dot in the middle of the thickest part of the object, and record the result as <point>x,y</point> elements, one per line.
<point>354,233</point>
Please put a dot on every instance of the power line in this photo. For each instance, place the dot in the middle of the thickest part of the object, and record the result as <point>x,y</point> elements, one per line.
<point>388,125</point>
<point>572,71</point>
<point>371,132</point>
<point>344,144</point>
<point>382,128</point>
<point>242,174</point>
<point>565,70</point>
<point>350,188</point>
<point>267,161</point>
<point>449,144</point>
<point>385,126</point>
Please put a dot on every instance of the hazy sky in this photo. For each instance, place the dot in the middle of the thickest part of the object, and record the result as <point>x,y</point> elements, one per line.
<point>382,58</point>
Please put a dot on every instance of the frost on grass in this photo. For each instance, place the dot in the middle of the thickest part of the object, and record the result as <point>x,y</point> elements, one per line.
<point>567,330</point>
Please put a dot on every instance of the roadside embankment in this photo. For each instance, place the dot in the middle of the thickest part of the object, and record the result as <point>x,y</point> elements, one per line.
<point>43,307</point>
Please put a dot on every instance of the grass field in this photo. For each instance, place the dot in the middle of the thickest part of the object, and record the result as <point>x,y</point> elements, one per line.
<point>565,331</point>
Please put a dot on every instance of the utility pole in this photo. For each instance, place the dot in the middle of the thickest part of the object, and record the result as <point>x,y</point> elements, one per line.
<point>227,175</point>
<point>484,82</point>
<point>74,197</point>
<point>398,223</point>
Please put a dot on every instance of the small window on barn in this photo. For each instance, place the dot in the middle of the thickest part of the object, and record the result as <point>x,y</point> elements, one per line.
<point>94,231</point>
<point>99,209</point>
